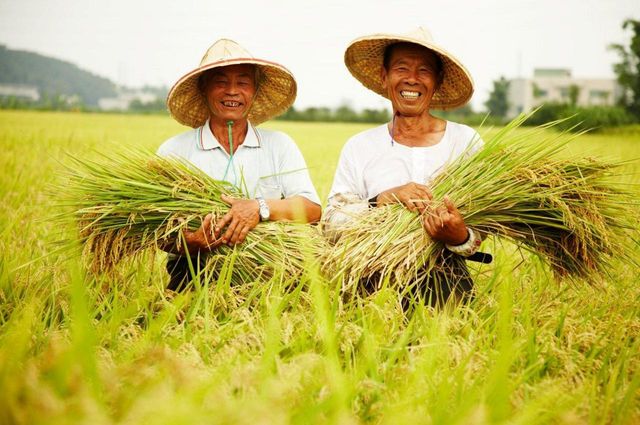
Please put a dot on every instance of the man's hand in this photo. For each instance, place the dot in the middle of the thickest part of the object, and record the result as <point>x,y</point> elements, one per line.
<point>445,224</point>
<point>243,216</point>
<point>414,196</point>
<point>202,239</point>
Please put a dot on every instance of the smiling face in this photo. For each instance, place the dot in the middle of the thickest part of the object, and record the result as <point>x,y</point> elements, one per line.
<point>230,91</point>
<point>411,75</point>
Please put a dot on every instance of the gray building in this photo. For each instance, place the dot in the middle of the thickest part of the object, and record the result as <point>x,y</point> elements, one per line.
<point>557,85</point>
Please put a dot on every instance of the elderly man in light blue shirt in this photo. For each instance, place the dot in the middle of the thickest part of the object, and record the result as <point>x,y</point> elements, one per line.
<point>223,99</point>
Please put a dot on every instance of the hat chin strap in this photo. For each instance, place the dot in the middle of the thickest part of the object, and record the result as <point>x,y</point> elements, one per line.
<point>229,126</point>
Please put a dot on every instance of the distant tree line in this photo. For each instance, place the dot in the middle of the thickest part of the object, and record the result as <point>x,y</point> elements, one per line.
<point>47,102</point>
<point>343,113</point>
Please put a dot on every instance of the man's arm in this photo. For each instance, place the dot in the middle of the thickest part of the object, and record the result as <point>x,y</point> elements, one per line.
<point>244,215</point>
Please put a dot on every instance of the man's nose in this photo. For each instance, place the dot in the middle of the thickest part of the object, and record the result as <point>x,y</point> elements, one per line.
<point>233,88</point>
<point>412,77</point>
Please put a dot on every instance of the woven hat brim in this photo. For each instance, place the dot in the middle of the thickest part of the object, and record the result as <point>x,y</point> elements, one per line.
<point>364,58</point>
<point>276,92</point>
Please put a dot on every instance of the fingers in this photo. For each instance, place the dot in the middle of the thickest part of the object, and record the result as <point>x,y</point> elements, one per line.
<point>222,223</point>
<point>448,203</point>
<point>228,234</point>
<point>436,220</point>
<point>207,231</point>
<point>424,192</point>
<point>239,234</point>
<point>199,240</point>
<point>422,204</point>
<point>408,202</point>
<point>236,233</point>
<point>416,197</point>
<point>429,224</point>
<point>229,200</point>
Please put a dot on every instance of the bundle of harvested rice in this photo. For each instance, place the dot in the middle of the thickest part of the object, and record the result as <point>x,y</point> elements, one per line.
<point>568,209</point>
<point>129,202</point>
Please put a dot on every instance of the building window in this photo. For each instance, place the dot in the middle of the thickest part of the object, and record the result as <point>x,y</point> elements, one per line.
<point>538,92</point>
<point>564,92</point>
<point>599,94</point>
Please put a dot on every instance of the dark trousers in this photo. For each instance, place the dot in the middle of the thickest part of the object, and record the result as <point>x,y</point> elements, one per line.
<point>179,273</point>
<point>435,288</point>
<point>450,280</point>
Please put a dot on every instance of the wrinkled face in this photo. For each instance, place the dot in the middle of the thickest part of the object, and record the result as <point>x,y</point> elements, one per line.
<point>411,78</point>
<point>230,91</point>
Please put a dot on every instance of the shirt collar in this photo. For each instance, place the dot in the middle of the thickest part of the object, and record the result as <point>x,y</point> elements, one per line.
<point>208,141</point>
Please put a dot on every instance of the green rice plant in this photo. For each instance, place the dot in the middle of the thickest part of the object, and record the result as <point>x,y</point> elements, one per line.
<point>129,202</point>
<point>568,209</point>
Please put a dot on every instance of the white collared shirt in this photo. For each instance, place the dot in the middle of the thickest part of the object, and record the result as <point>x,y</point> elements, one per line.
<point>268,163</point>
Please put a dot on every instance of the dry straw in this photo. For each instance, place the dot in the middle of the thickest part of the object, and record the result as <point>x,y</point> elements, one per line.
<point>130,202</point>
<point>522,186</point>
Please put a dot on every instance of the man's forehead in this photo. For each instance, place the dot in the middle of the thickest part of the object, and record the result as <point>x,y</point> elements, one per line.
<point>240,70</point>
<point>412,51</point>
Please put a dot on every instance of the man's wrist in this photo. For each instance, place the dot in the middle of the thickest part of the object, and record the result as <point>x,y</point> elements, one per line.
<point>469,247</point>
<point>264,213</point>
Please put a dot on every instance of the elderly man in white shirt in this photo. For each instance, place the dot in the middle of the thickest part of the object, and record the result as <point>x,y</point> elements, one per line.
<point>223,99</point>
<point>396,162</point>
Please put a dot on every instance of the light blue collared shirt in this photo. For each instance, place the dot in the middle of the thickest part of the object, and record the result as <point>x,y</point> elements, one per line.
<point>268,163</point>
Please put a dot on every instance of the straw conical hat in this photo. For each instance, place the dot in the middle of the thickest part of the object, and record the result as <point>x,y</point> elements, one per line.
<point>275,93</point>
<point>365,55</point>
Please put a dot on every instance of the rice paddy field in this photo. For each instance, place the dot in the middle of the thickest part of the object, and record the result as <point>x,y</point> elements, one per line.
<point>120,349</point>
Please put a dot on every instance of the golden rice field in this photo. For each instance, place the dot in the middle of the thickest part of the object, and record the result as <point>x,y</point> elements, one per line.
<point>120,349</point>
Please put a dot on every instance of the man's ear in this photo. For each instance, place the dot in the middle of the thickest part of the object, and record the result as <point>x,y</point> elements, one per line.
<point>383,77</point>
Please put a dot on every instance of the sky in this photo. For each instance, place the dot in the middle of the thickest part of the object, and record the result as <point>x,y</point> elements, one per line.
<point>142,42</point>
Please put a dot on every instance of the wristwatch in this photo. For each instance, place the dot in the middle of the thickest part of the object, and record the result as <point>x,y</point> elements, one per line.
<point>264,209</point>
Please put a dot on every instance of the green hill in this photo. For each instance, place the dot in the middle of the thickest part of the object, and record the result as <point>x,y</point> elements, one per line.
<point>52,76</point>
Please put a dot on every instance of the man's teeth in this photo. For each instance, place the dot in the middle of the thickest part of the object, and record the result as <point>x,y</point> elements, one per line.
<point>409,94</point>
<point>231,104</point>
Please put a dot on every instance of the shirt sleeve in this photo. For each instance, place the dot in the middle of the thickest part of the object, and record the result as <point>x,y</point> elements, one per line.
<point>163,150</point>
<point>346,199</point>
<point>171,147</point>
<point>293,172</point>
<point>345,180</point>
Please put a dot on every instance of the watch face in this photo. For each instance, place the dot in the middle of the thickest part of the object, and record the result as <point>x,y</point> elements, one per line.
<point>264,210</point>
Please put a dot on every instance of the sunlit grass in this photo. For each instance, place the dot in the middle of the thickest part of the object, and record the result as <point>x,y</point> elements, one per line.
<point>78,348</point>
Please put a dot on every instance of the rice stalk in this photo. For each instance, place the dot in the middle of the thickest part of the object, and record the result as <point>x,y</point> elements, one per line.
<point>130,202</point>
<point>565,208</point>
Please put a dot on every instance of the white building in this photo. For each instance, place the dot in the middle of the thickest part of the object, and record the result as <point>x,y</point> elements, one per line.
<point>124,99</point>
<point>557,85</point>
<point>20,91</point>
